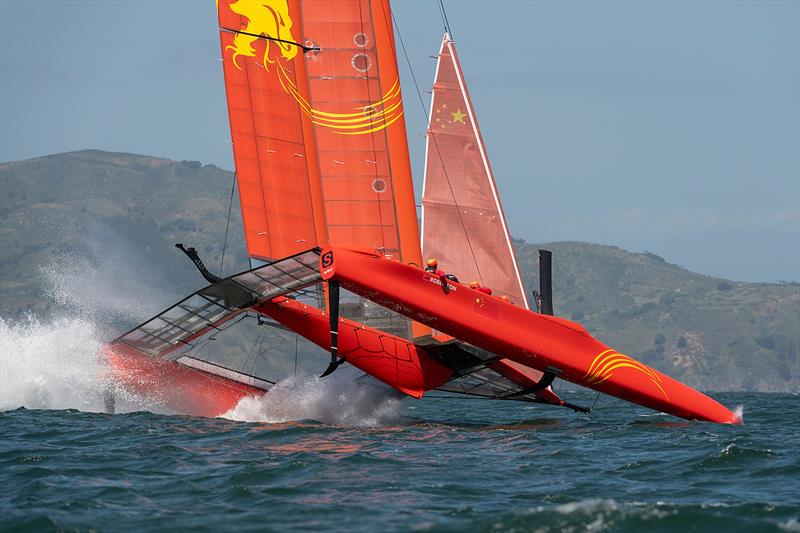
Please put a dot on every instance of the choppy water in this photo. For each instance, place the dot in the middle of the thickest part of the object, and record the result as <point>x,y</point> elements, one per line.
<point>327,456</point>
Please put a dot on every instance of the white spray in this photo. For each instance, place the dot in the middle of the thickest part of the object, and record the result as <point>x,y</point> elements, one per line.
<point>338,399</point>
<point>51,365</point>
<point>53,362</point>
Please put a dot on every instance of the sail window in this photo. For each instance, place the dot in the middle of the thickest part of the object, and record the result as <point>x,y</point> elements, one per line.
<point>361,62</point>
<point>378,185</point>
<point>361,39</point>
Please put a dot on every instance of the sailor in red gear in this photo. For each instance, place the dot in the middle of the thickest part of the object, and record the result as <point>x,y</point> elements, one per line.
<point>477,286</point>
<point>431,265</point>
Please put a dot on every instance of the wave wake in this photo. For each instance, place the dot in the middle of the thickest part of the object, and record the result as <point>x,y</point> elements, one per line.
<point>336,400</point>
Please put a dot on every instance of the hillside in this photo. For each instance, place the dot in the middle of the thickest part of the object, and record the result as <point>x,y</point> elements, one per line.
<point>100,227</point>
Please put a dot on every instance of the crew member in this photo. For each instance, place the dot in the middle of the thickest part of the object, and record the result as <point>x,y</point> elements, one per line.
<point>432,266</point>
<point>477,286</point>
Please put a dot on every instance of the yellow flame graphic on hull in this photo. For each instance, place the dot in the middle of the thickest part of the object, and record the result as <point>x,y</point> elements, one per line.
<point>606,362</point>
<point>271,18</point>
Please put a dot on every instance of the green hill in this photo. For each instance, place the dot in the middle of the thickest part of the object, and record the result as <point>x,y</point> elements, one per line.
<point>108,222</point>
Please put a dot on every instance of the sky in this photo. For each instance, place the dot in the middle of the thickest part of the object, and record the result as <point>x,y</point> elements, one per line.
<point>668,127</point>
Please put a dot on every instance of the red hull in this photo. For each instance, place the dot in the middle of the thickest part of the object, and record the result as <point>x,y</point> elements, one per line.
<point>178,387</point>
<point>531,339</point>
<point>393,360</point>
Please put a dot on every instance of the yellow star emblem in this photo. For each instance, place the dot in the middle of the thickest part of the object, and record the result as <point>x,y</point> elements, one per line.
<point>458,116</point>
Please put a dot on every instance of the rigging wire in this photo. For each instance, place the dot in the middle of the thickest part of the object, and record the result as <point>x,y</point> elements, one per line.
<point>258,353</point>
<point>595,402</point>
<point>445,22</point>
<point>295,354</point>
<point>227,225</point>
<point>435,142</point>
<point>253,352</point>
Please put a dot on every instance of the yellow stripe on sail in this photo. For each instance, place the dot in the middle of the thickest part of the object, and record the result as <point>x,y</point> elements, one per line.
<point>384,112</point>
<point>385,125</point>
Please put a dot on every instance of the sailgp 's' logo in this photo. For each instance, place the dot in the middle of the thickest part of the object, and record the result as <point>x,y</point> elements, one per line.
<point>326,266</point>
<point>271,19</point>
<point>327,259</point>
<point>608,361</point>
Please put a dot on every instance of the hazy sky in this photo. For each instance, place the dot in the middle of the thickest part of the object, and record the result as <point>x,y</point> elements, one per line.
<point>672,127</point>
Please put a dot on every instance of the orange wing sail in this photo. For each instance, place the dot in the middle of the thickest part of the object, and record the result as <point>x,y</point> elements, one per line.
<point>463,225</point>
<point>272,138</point>
<point>357,111</point>
<point>317,123</point>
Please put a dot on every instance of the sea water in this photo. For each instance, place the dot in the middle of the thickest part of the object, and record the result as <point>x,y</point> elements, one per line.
<point>330,455</point>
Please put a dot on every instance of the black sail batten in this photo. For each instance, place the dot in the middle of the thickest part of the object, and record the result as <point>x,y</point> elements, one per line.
<point>275,39</point>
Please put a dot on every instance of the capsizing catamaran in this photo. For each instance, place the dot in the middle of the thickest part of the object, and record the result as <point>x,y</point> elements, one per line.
<point>328,206</point>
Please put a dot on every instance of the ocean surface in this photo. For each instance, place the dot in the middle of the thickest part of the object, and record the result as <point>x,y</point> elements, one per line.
<point>432,465</point>
<point>333,456</point>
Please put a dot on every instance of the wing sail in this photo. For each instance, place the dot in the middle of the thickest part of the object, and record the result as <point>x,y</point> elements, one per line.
<point>317,126</point>
<point>273,145</point>
<point>357,111</point>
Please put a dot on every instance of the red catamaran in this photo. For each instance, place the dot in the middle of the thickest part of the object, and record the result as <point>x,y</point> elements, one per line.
<point>328,204</point>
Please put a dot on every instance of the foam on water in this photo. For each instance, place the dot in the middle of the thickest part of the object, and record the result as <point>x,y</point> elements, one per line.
<point>738,412</point>
<point>337,400</point>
